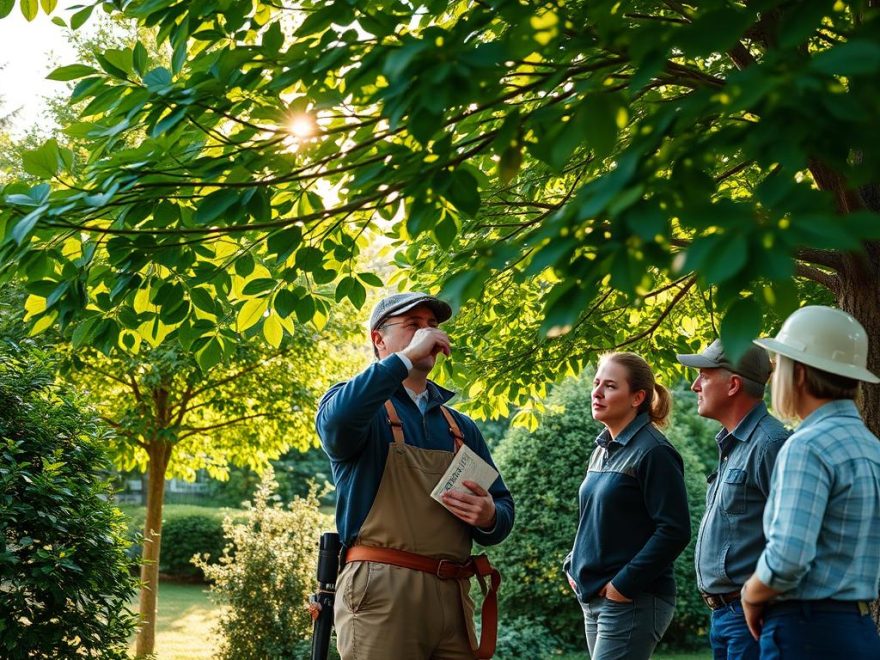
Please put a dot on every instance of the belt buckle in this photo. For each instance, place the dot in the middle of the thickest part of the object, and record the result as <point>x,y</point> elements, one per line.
<point>864,608</point>
<point>439,571</point>
<point>712,601</point>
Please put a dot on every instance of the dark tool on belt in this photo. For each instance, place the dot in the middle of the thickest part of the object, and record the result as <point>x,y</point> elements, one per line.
<point>321,602</point>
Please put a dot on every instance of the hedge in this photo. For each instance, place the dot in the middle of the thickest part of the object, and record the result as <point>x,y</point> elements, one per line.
<point>187,530</point>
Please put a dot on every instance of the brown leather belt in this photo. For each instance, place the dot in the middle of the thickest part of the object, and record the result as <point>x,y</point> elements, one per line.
<point>717,601</point>
<point>445,569</point>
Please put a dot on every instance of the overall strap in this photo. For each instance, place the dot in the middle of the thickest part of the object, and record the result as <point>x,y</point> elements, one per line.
<point>457,437</point>
<point>394,421</point>
<point>397,426</point>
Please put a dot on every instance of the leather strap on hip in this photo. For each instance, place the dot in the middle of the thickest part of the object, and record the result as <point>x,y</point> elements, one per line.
<point>397,426</point>
<point>476,566</point>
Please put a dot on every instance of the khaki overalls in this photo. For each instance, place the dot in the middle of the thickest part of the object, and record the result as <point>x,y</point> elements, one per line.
<point>387,612</point>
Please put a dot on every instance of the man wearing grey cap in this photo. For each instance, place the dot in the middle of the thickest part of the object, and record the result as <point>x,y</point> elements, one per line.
<point>403,588</point>
<point>731,535</point>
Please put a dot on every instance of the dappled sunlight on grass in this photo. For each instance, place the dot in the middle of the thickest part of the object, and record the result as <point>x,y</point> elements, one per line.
<point>185,628</point>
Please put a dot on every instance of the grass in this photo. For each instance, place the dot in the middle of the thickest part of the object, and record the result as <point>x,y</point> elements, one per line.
<point>185,627</point>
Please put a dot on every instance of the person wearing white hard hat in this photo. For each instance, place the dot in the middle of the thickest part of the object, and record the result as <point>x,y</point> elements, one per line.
<point>810,593</point>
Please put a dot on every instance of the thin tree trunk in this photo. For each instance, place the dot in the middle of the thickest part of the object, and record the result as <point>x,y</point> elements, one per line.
<point>159,454</point>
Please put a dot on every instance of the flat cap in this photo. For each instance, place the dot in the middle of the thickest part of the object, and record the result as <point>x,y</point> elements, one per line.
<point>400,303</point>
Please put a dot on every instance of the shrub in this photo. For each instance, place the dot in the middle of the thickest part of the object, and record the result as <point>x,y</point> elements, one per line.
<point>64,574</point>
<point>265,575</point>
<point>544,470</point>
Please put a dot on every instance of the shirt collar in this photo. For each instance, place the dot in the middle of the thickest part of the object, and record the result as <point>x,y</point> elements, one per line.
<point>641,420</point>
<point>838,407</point>
<point>436,395</point>
<point>747,425</point>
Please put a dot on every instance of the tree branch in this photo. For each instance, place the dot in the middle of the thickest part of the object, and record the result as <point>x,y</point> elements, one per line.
<point>827,258</point>
<point>231,422</point>
<point>829,280</point>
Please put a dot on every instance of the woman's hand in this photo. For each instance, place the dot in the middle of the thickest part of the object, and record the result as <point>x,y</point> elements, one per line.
<point>610,592</point>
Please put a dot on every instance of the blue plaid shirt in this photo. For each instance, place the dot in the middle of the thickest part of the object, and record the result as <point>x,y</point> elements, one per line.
<point>822,519</point>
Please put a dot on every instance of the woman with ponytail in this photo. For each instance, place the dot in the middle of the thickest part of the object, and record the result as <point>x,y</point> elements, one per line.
<point>634,518</point>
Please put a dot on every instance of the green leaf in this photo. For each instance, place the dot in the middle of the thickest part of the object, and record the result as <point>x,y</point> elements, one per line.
<point>48,6</point>
<point>6,7</point>
<point>463,192</point>
<point>273,39</point>
<point>259,285</point>
<point>596,120</point>
<point>445,231</point>
<point>140,58</point>
<point>741,324</point>
<point>715,31</point>
<point>509,163</point>
<point>43,162</point>
<point>24,226</point>
<point>371,279</point>
<point>855,57</point>
<point>210,355</point>
<point>158,81</point>
<point>285,302</point>
<point>80,17</point>
<point>29,9</point>
<point>71,72</point>
<point>214,205</point>
<point>727,259</point>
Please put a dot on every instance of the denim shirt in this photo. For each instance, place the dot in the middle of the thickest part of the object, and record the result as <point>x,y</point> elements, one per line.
<point>731,535</point>
<point>823,514</point>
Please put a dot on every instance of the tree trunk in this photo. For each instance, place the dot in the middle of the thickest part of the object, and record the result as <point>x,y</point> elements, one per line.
<point>159,455</point>
<point>860,296</point>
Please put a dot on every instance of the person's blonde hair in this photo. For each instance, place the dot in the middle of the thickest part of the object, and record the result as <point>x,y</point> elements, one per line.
<point>820,384</point>
<point>639,376</point>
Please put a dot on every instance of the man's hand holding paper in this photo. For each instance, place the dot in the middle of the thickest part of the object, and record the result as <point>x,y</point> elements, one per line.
<point>477,509</point>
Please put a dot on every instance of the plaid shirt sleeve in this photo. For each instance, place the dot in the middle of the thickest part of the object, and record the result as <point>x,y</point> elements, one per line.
<point>793,516</point>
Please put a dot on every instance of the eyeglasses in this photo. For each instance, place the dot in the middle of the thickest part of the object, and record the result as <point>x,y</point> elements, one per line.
<point>410,324</point>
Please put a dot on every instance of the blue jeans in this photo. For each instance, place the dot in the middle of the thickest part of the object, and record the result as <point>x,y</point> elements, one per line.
<point>730,636</point>
<point>809,633</point>
<point>626,631</point>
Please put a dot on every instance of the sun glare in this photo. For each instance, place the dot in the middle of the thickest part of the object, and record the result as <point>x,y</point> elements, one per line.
<point>302,125</point>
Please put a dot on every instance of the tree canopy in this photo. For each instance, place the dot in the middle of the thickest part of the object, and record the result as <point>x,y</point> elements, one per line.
<point>577,176</point>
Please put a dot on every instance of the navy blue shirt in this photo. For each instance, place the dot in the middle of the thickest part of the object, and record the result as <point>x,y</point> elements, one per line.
<point>634,518</point>
<point>355,433</point>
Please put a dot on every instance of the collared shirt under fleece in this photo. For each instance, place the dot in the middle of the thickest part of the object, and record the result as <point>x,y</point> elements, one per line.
<point>354,430</point>
<point>634,518</point>
<point>822,519</point>
<point>731,536</point>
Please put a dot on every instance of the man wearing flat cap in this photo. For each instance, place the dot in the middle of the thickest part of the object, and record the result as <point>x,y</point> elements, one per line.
<point>402,591</point>
<point>731,536</point>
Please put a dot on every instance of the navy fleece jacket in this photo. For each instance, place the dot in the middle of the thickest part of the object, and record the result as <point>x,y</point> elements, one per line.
<point>634,518</point>
<point>355,434</point>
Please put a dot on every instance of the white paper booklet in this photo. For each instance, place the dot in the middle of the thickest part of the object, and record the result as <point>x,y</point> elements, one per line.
<point>466,466</point>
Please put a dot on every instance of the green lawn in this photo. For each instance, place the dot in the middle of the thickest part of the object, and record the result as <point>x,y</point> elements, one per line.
<point>187,617</point>
<point>184,630</point>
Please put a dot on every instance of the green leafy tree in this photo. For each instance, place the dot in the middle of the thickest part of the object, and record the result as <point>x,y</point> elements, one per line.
<point>63,565</point>
<point>172,419</point>
<point>561,165</point>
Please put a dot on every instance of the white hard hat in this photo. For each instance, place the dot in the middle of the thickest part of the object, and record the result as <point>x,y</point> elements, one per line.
<point>826,338</point>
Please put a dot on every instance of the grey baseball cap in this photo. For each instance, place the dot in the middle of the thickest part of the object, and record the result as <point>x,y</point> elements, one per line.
<point>403,302</point>
<point>754,365</point>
